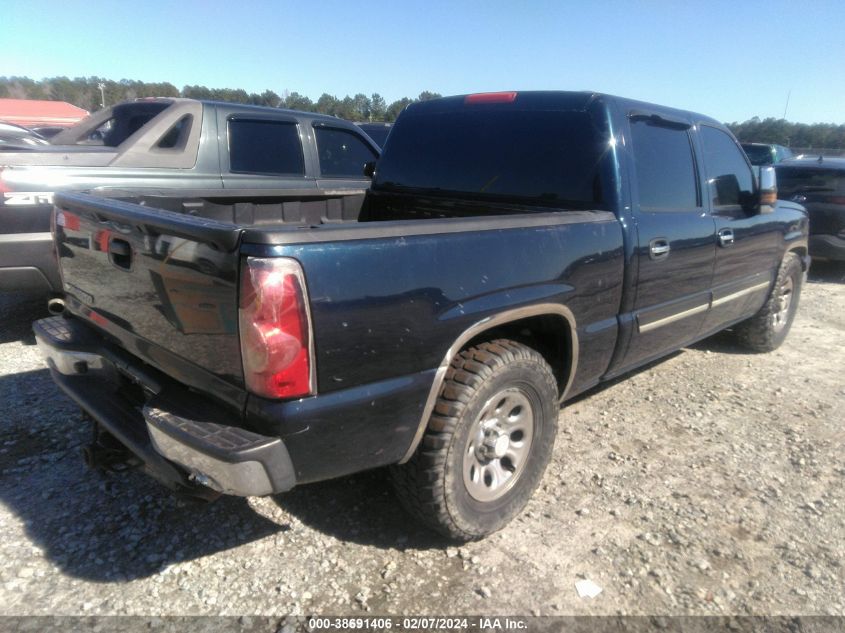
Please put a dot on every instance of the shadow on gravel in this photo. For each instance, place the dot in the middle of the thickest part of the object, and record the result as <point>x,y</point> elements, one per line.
<point>722,343</point>
<point>103,528</point>
<point>17,312</point>
<point>615,381</point>
<point>827,272</point>
<point>360,509</point>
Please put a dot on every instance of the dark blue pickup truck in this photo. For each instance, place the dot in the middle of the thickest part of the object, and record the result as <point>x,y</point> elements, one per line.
<point>514,250</point>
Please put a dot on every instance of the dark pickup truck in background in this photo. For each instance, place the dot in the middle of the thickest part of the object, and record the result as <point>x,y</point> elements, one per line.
<point>818,184</point>
<point>514,250</point>
<point>208,152</point>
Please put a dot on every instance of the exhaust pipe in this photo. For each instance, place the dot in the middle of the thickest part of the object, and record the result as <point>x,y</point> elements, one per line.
<point>55,306</point>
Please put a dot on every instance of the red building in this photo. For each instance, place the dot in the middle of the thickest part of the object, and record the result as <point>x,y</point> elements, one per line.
<point>29,113</point>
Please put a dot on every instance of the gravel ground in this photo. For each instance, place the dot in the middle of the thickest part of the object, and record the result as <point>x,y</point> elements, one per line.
<point>708,483</point>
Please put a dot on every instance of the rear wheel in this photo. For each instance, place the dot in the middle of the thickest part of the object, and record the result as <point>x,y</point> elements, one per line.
<point>487,444</point>
<point>767,329</point>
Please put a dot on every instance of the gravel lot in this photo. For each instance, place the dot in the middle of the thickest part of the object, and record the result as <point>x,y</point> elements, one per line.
<point>708,483</point>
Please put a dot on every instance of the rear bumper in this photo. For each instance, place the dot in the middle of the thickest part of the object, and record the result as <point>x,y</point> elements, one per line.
<point>823,246</point>
<point>28,262</point>
<point>184,440</point>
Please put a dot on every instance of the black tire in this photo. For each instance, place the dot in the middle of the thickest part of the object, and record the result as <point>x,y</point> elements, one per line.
<point>458,483</point>
<point>767,329</point>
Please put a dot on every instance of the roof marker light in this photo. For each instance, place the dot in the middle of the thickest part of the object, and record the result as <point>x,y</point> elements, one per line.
<point>490,97</point>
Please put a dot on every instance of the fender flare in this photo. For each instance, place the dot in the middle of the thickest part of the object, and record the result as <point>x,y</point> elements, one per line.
<point>479,327</point>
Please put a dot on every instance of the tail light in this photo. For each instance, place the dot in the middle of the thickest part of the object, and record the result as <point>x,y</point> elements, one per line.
<point>275,329</point>
<point>67,220</point>
<point>3,186</point>
<point>101,238</point>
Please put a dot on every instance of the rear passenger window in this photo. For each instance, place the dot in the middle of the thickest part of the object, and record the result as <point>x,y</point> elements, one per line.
<point>666,176</point>
<point>177,136</point>
<point>265,147</point>
<point>342,153</point>
<point>729,179</point>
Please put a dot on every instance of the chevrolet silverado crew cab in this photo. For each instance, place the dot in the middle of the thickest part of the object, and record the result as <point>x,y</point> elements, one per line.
<point>514,250</point>
<point>208,152</point>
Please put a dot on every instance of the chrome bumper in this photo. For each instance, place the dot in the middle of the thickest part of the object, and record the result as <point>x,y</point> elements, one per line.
<point>173,427</point>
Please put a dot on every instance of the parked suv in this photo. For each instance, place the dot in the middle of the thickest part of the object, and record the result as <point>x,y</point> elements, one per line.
<point>819,185</point>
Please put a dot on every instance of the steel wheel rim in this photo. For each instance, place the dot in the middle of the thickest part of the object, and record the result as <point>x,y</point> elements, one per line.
<point>784,301</point>
<point>498,445</point>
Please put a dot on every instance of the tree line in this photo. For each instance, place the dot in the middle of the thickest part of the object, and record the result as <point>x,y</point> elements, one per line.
<point>783,132</point>
<point>85,92</point>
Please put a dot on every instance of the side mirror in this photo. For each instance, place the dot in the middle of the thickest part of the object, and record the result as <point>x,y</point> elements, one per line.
<point>768,191</point>
<point>370,169</point>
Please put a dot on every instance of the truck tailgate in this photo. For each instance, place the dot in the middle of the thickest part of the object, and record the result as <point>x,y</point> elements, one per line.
<point>163,284</point>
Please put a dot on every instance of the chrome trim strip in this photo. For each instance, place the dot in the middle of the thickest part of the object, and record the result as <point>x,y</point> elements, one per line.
<point>309,323</point>
<point>653,325</point>
<point>343,192</point>
<point>551,309</point>
<point>739,293</point>
<point>26,237</point>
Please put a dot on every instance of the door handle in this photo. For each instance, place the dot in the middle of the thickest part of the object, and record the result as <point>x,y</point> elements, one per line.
<point>120,253</point>
<point>119,247</point>
<point>726,237</point>
<point>658,248</point>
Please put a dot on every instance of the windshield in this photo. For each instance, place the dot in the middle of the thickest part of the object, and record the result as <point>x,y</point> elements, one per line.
<point>758,154</point>
<point>547,156</point>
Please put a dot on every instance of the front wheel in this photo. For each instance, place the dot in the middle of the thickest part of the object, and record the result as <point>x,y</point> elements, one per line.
<point>487,444</point>
<point>767,329</point>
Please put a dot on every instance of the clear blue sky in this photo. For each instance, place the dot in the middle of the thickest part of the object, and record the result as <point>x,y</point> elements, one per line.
<point>729,59</point>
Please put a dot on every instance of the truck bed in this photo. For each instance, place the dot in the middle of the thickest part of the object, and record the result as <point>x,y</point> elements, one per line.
<point>401,290</point>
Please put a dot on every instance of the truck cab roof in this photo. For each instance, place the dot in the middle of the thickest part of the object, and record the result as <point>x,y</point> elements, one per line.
<point>552,100</point>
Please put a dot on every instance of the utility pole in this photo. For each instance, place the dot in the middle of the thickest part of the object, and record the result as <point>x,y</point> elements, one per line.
<point>787,104</point>
<point>102,87</point>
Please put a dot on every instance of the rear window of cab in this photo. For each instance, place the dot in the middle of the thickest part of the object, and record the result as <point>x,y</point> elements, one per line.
<point>547,157</point>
